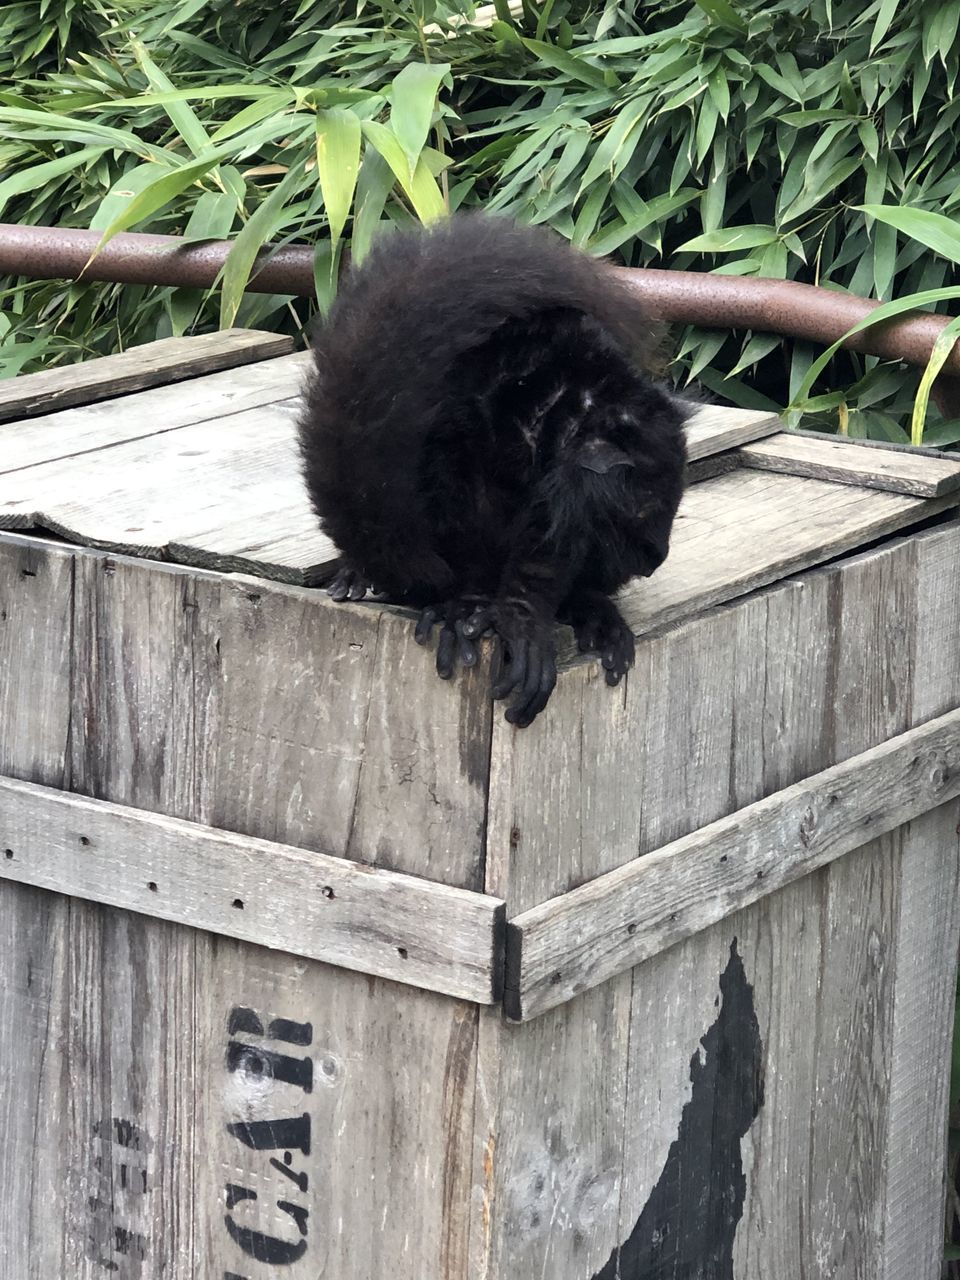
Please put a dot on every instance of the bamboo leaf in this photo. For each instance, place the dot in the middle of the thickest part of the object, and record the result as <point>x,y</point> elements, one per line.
<point>945,343</point>
<point>937,232</point>
<point>37,176</point>
<point>421,189</point>
<point>571,65</point>
<point>413,101</point>
<point>886,311</point>
<point>373,187</point>
<point>155,195</point>
<point>730,239</point>
<point>181,114</point>
<point>723,14</point>
<point>338,163</point>
<point>257,230</point>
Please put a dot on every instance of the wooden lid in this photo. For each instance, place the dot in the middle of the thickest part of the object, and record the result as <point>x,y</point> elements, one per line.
<point>204,471</point>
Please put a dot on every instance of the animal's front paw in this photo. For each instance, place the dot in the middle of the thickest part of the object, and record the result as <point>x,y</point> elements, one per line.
<point>348,584</point>
<point>600,629</point>
<point>453,642</point>
<point>525,658</point>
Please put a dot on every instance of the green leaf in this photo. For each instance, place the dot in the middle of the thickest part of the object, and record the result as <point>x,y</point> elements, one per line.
<point>944,345</point>
<point>156,195</point>
<point>616,141</point>
<point>37,176</point>
<point>937,232</point>
<point>257,230</point>
<point>572,66</point>
<point>118,199</point>
<point>181,114</point>
<point>723,14</point>
<point>730,239</point>
<point>885,16</point>
<point>212,217</point>
<point>373,187</point>
<point>413,100</point>
<point>338,163</point>
<point>421,189</point>
<point>886,311</point>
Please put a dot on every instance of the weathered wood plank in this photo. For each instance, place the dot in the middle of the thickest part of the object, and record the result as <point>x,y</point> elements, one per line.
<point>78,434</point>
<point>570,943</point>
<point>165,361</point>
<point>832,458</point>
<point>36,615</point>
<point>357,917</point>
<point>322,727</point>
<point>131,1053</point>
<point>224,494</point>
<point>748,529</point>
<point>714,429</point>
<point>648,763</point>
<point>926,942</point>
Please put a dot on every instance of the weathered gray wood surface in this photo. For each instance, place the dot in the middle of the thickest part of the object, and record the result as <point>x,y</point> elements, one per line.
<point>35,957</point>
<point>745,530</point>
<point>720,712</point>
<point>357,916</point>
<point>153,495</point>
<point>245,706</point>
<point>714,429</point>
<point>833,458</point>
<point>168,360</point>
<point>572,942</point>
<point>926,944</point>
<point>85,435</point>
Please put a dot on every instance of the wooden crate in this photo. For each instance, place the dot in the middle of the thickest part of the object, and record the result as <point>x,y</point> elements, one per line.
<point>310,965</point>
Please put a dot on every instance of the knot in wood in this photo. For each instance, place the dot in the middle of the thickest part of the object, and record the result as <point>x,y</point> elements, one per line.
<point>808,826</point>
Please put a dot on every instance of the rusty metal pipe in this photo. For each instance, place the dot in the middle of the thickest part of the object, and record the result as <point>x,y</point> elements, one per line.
<point>688,297</point>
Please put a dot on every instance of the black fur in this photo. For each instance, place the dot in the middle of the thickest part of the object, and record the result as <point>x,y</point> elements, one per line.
<point>481,439</point>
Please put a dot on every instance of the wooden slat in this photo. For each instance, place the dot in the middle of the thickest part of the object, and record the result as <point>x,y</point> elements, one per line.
<point>830,458</point>
<point>714,429</point>
<point>72,433</point>
<point>154,363</point>
<point>36,610</point>
<point>926,940</point>
<point>745,530</point>
<point>576,941</point>
<point>358,917</point>
<point>224,494</point>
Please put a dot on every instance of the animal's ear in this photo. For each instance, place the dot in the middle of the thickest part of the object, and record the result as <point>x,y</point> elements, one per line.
<point>600,456</point>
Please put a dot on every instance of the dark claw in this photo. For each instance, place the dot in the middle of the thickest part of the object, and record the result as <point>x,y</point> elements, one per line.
<point>425,623</point>
<point>347,585</point>
<point>453,644</point>
<point>600,629</point>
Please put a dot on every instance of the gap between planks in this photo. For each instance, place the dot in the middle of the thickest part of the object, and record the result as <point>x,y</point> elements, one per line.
<point>589,935</point>
<point>348,914</point>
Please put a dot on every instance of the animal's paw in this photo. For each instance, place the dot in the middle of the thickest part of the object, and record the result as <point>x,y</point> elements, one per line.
<point>453,642</point>
<point>348,584</point>
<point>525,657</point>
<point>600,629</point>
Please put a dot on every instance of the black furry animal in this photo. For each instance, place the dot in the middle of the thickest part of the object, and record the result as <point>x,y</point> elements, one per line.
<point>481,441</point>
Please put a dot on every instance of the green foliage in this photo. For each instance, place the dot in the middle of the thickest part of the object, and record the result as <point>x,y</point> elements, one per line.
<point>748,137</point>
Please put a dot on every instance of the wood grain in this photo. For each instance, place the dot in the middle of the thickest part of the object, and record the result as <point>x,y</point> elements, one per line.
<point>833,458</point>
<point>36,610</point>
<point>331,909</point>
<point>745,530</point>
<point>572,942</point>
<point>80,434</point>
<point>165,361</point>
<point>714,429</point>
